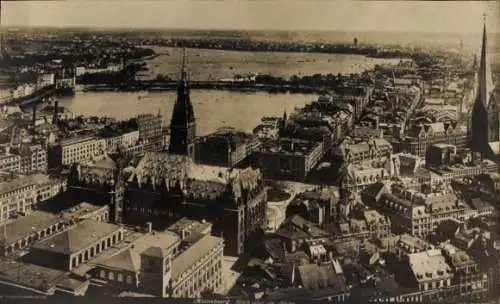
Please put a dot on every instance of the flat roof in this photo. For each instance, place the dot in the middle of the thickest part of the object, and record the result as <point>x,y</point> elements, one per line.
<point>24,181</point>
<point>193,254</point>
<point>429,264</point>
<point>29,275</point>
<point>25,226</point>
<point>78,237</point>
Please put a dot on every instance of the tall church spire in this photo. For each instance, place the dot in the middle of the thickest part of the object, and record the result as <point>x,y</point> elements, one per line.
<point>485,83</point>
<point>484,125</point>
<point>182,124</point>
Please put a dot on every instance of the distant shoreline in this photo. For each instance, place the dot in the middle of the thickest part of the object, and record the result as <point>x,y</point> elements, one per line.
<point>217,86</point>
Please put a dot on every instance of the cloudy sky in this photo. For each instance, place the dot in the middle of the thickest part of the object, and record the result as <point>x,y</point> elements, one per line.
<point>337,15</point>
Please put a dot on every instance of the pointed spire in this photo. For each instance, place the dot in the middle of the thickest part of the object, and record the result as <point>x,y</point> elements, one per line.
<point>183,66</point>
<point>484,73</point>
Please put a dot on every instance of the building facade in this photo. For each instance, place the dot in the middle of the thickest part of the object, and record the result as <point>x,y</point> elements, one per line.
<point>21,195</point>
<point>289,158</point>
<point>71,151</point>
<point>225,148</point>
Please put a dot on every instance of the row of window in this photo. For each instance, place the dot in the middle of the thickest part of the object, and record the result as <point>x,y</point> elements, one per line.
<point>119,277</point>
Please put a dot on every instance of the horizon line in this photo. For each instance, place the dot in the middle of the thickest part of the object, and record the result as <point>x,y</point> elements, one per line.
<point>148,29</point>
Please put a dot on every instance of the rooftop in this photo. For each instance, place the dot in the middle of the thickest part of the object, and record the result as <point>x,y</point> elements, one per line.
<point>105,162</point>
<point>289,146</point>
<point>429,265</point>
<point>76,140</point>
<point>191,226</point>
<point>129,258</point>
<point>315,276</point>
<point>297,227</point>
<point>413,244</point>
<point>81,209</point>
<point>77,237</point>
<point>193,254</point>
<point>167,168</point>
<point>24,181</point>
<point>27,225</point>
<point>30,276</point>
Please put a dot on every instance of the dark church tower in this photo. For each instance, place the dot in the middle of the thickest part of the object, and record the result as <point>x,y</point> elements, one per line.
<point>484,125</point>
<point>183,125</point>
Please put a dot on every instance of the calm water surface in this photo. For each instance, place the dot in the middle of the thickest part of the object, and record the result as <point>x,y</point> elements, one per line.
<point>213,109</point>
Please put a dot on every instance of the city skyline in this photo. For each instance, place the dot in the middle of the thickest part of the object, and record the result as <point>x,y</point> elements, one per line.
<point>353,16</point>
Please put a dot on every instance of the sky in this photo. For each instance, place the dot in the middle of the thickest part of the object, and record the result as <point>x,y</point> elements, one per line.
<point>332,15</point>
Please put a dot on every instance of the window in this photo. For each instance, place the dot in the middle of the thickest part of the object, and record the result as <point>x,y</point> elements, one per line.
<point>119,277</point>
<point>103,274</point>
<point>129,279</point>
<point>111,276</point>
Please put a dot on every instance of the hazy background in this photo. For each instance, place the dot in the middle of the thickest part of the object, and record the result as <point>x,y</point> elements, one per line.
<point>290,15</point>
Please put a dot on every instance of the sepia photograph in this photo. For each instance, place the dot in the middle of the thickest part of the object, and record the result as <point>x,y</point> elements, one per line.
<point>239,151</point>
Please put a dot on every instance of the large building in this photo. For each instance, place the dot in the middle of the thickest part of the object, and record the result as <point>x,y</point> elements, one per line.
<point>182,262</point>
<point>77,245</point>
<point>289,158</point>
<point>165,187</point>
<point>22,194</point>
<point>225,148</point>
<point>183,124</point>
<point>484,127</point>
<point>75,150</point>
<point>421,136</point>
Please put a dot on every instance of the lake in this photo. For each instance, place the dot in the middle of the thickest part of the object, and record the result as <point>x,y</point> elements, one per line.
<point>204,64</point>
<point>213,109</point>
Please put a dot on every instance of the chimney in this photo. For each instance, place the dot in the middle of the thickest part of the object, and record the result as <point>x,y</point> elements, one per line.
<point>149,227</point>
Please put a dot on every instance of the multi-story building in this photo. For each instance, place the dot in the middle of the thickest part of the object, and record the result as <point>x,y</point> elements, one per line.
<point>180,264</point>
<point>317,206</point>
<point>23,232</point>
<point>10,163</point>
<point>420,214</point>
<point>289,158</point>
<point>357,177</point>
<point>75,150</point>
<point>123,141</point>
<point>448,173</point>
<point>370,150</point>
<point>225,148</point>
<point>368,225</point>
<point>421,137</point>
<point>440,154</point>
<point>430,271</point>
<point>77,245</point>
<point>233,199</point>
<point>33,158</point>
<point>471,284</point>
<point>20,195</point>
<point>407,244</point>
<point>150,126</point>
